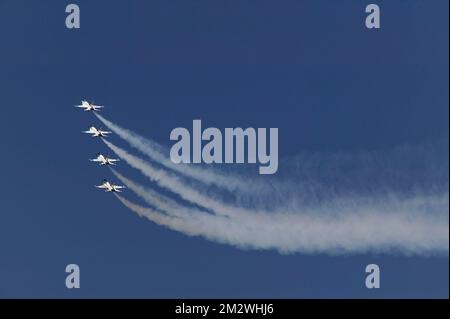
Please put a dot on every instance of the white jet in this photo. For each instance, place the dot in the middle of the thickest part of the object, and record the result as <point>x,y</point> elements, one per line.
<point>96,132</point>
<point>110,187</point>
<point>104,160</point>
<point>89,106</point>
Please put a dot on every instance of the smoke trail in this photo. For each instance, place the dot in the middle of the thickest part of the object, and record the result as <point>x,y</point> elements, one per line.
<point>155,199</point>
<point>416,223</point>
<point>205,175</point>
<point>349,233</point>
<point>212,229</point>
<point>153,215</point>
<point>312,177</point>
<point>433,206</point>
<point>175,184</point>
<point>158,218</point>
<point>150,195</point>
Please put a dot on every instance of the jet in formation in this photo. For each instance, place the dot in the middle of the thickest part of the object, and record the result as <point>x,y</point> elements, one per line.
<point>110,187</point>
<point>104,160</point>
<point>100,159</point>
<point>89,106</point>
<point>95,132</point>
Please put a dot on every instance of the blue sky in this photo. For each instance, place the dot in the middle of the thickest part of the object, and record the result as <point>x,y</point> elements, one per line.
<point>310,68</point>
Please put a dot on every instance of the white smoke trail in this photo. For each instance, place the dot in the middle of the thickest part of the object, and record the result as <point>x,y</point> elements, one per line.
<point>434,206</point>
<point>375,231</point>
<point>211,228</point>
<point>159,154</point>
<point>153,215</point>
<point>158,218</point>
<point>414,224</point>
<point>172,183</point>
<point>309,178</point>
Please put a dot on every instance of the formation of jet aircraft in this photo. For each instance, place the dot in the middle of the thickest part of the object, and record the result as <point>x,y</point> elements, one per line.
<point>101,159</point>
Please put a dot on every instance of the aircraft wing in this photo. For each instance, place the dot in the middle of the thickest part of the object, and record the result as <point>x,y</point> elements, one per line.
<point>118,188</point>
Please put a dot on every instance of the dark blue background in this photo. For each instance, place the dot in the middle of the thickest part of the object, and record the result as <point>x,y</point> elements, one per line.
<point>310,68</point>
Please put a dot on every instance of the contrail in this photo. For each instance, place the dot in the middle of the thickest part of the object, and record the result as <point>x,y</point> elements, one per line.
<point>153,215</point>
<point>158,218</point>
<point>374,231</point>
<point>172,183</point>
<point>155,199</point>
<point>311,177</point>
<point>411,223</point>
<point>159,154</point>
<point>211,229</point>
<point>435,206</point>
